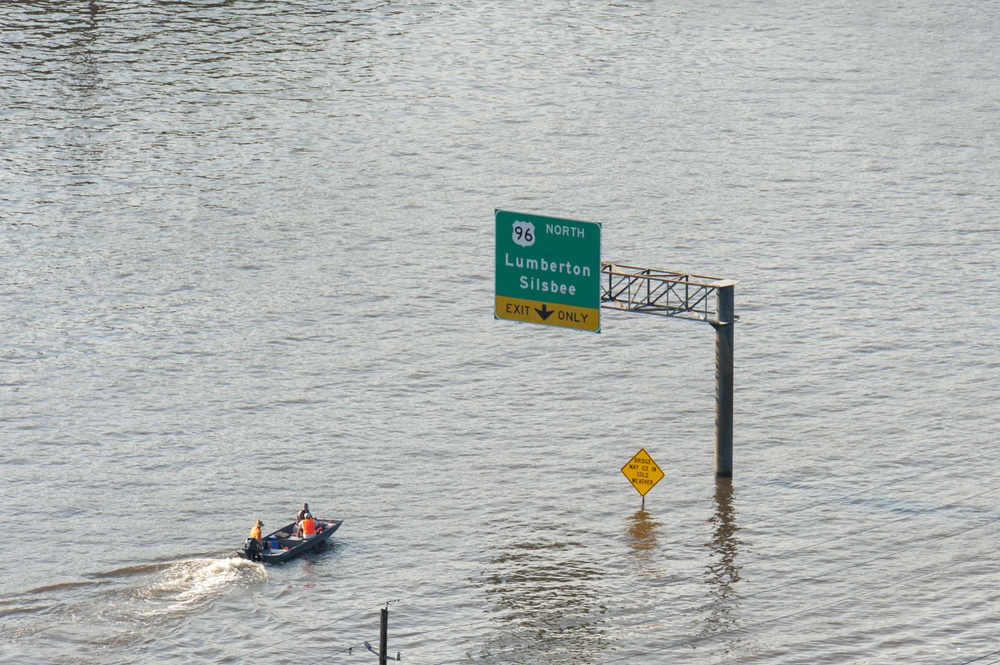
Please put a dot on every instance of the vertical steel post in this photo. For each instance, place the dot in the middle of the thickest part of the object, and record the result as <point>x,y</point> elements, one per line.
<point>383,638</point>
<point>725,292</point>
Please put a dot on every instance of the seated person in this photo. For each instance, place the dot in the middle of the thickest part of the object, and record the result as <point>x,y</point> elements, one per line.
<point>307,526</point>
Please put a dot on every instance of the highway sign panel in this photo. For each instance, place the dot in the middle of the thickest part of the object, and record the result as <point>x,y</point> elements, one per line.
<point>548,270</point>
<point>642,472</point>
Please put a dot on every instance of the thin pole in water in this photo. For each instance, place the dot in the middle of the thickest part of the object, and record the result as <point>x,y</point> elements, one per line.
<point>724,381</point>
<point>383,637</point>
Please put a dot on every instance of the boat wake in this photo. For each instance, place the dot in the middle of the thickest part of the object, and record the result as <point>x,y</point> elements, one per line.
<point>113,609</point>
<point>154,589</point>
<point>184,585</point>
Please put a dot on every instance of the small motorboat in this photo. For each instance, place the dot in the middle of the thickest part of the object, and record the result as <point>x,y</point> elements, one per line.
<point>281,545</point>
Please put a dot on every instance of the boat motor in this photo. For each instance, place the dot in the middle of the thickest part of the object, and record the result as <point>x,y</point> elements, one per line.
<point>252,549</point>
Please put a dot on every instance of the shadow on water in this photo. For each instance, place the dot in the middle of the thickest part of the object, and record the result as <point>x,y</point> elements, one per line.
<point>548,591</point>
<point>723,569</point>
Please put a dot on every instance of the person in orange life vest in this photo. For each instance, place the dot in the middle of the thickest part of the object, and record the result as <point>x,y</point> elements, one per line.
<point>308,525</point>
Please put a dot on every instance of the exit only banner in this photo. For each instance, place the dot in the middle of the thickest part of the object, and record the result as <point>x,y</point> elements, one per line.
<point>536,311</point>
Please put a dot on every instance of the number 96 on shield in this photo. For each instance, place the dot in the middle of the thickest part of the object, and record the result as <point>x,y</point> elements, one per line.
<point>524,233</point>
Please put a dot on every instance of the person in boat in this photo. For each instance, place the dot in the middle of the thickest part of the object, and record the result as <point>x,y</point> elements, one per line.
<point>307,527</point>
<point>300,520</point>
<point>255,532</point>
<point>254,545</point>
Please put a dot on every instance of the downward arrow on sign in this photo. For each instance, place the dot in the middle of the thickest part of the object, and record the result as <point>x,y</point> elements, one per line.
<point>544,312</point>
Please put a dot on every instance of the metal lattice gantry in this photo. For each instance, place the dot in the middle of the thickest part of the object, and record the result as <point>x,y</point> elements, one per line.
<point>662,292</point>
<point>696,297</point>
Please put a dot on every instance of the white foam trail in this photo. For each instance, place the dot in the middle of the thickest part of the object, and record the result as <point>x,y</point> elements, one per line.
<point>186,583</point>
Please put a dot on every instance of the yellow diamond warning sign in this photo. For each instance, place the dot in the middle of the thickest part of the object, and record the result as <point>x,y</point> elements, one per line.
<point>642,472</point>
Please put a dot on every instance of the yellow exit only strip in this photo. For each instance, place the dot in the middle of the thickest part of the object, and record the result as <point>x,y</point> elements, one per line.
<point>552,314</point>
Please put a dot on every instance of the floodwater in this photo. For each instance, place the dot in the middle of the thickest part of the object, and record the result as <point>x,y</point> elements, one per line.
<point>246,261</point>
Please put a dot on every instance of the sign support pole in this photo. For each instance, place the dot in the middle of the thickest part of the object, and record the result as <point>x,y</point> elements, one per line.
<point>724,381</point>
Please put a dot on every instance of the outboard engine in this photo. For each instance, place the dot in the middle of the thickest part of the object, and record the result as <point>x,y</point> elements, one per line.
<point>252,549</point>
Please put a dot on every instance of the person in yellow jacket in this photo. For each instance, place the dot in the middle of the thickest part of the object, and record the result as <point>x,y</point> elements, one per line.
<point>255,533</point>
<point>254,545</point>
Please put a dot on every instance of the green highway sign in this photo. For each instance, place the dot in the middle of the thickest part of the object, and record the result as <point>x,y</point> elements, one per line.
<point>548,270</point>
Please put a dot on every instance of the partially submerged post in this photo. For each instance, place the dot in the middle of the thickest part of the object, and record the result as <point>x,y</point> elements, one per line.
<point>666,293</point>
<point>383,637</point>
<point>724,325</point>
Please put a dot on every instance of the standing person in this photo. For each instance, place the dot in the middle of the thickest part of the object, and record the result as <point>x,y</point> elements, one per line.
<point>254,544</point>
<point>255,532</point>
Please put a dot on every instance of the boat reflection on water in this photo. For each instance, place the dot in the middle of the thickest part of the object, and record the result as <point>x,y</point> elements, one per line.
<point>548,590</point>
<point>723,569</point>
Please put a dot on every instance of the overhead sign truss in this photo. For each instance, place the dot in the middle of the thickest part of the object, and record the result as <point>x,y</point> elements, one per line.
<point>548,271</point>
<point>662,292</point>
